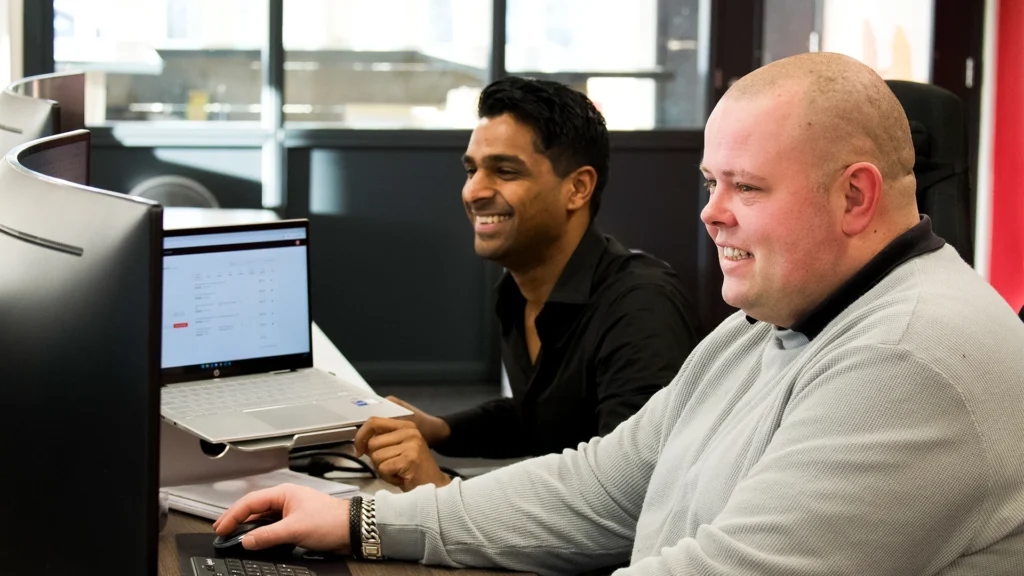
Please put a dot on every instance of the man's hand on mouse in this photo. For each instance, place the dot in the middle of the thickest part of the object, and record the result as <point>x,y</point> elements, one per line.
<point>399,452</point>
<point>310,519</point>
<point>432,428</point>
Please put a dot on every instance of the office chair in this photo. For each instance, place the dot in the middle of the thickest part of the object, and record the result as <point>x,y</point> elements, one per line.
<point>939,129</point>
<point>175,191</point>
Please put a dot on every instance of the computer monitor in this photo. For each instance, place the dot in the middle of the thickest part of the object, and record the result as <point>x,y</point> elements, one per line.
<point>24,119</point>
<point>80,285</point>
<point>61,158</point>
<point>67,89</point>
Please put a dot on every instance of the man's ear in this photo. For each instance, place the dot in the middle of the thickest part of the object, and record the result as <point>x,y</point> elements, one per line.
<point>580,187</point>
<point>862,188</point>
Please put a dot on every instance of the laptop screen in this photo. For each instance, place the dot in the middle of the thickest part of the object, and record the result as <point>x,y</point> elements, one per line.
<point>235,301</point>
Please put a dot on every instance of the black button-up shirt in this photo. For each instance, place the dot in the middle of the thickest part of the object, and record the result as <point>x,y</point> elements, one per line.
<point>615,329</point>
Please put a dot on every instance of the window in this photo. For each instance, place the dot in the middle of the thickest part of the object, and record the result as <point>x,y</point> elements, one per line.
<point>164,59</point>
<point>894,38</point>
<point>643,63</point>
<point>385,63</point>
<point>8,50</point>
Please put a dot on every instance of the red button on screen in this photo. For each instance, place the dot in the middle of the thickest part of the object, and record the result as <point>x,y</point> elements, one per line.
<point>181,325</point>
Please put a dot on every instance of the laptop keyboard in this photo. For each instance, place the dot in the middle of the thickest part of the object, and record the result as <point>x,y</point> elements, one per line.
<point>181,401</point>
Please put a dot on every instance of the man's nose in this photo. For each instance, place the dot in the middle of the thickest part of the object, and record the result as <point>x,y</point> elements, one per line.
<point>477,187</point>
<point>716,212</point>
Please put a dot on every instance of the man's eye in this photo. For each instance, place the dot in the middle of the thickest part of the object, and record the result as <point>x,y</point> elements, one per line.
<point>506,173</point>
<point>745,188</point>
<point>470,172</point>
<point>709,185</point>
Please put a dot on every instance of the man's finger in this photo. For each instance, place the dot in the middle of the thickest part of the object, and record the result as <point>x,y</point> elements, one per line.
<point>280,532</point>
<point>395,437</point>
<point>389,478</point>
<point>363,434</point>
<point>402,403</point>
<point>373,427</point>
<point>398,468</point>
<point>251,518</point>
<point>387,453</point>
<point>258,502</point>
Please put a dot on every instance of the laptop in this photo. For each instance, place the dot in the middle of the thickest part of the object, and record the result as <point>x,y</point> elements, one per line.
<point>236,354</point>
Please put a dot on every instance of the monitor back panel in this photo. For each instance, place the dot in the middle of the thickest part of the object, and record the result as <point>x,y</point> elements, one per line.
<point>79,439</point>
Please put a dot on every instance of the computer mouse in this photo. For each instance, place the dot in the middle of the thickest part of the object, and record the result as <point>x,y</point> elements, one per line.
<point>233,540</point>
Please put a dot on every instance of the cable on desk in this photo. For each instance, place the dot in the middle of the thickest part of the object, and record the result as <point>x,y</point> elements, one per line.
<point>319,463</point>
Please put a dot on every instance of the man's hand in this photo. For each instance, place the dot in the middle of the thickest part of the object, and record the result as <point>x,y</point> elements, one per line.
<point>310,519</point>
<point>432,428</point>
<point>399,452</point>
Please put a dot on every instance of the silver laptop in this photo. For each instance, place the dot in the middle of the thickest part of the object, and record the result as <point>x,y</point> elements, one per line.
<point>236,358</point>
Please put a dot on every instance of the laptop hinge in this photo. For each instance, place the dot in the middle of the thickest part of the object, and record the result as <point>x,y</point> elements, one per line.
<point>285,371</point>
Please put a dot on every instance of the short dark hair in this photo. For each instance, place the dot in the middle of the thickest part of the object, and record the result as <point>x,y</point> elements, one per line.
<point>569,129</point>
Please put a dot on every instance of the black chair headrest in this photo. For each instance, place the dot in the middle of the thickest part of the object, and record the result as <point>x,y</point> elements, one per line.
<point>939,131</point>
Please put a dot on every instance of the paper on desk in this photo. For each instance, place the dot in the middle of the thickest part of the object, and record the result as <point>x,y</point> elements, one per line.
<point>211,500</point>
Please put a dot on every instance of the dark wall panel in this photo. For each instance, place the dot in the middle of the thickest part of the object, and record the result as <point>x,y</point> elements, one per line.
<point>652,204</point>
<point>231,174</point>
<point>396,284</point>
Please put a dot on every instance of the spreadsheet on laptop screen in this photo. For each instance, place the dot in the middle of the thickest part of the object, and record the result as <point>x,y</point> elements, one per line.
<point>232,296</point>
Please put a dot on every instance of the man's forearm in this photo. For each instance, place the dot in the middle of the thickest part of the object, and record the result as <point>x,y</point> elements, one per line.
<point>514,518</point>
<point>491,430</point>
<point>559,513</point>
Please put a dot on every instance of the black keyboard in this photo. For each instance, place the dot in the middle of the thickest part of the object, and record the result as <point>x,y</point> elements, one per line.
<point>234,567</point>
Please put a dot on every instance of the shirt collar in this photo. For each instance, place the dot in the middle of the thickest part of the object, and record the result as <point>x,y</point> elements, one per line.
<point>574,283</point>
<point>914,242</point>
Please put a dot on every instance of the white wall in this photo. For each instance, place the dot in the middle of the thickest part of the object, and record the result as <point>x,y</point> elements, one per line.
<point>894,38</point>
<point>983,207</point>
<point>10,40</point>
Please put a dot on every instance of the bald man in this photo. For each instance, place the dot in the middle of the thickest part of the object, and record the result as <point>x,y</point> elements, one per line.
<point>860,415</point>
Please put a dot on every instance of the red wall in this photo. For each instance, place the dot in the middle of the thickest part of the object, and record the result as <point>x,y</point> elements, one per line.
<point>1006,258</point>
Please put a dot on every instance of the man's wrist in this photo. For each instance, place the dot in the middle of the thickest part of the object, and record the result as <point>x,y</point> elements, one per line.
<point>369,534</point>
<point>354,519</point>
<point>439,431</point>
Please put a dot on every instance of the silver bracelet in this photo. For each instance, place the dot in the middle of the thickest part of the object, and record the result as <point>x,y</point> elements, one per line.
<point>368,531</point>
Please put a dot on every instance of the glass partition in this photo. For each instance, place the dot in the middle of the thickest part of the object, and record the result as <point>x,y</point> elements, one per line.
<point>164,60</point>
<point>385,63</point>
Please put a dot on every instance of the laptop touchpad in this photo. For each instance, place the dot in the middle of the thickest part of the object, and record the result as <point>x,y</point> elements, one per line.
<point>295,417</point>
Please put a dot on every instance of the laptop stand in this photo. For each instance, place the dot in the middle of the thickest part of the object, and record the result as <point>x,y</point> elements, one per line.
<point>187,459</point>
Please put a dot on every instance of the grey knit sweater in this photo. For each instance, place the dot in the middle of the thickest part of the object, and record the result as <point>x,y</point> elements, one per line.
<point>891,444</point>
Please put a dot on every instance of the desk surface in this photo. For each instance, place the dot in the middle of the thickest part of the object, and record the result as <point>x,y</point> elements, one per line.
<point>180,523</point>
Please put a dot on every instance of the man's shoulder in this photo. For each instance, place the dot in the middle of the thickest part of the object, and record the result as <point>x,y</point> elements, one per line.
<point>641,283</point>
<point>961,322</point>
<point>930,302</point>
<point>622,269</point>
<point>635,285</point>
<point>939,310</point>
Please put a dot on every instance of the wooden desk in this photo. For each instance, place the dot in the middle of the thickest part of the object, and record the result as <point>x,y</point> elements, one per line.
<point>180,523</point>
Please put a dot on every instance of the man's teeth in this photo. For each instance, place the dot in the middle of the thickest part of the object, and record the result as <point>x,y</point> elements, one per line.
<point>491,219</point>
<point>735,253</point>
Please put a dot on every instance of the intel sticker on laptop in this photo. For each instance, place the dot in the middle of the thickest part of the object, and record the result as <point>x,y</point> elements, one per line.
<point>365,402</point>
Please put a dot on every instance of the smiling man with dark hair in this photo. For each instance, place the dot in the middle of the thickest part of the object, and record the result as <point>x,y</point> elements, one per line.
<point>590,330</point>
